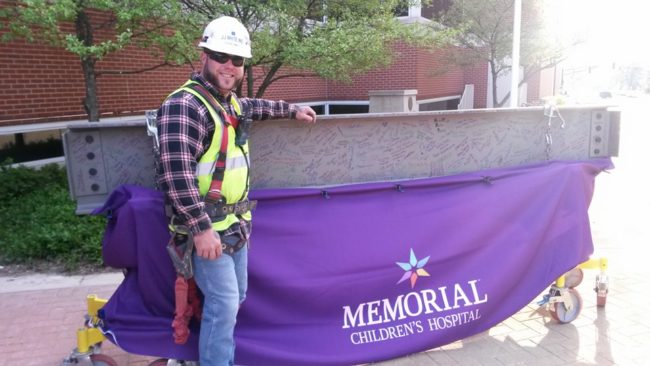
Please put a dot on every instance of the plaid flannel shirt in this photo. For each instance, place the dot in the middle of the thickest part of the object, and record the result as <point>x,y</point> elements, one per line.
<point>185,131</point>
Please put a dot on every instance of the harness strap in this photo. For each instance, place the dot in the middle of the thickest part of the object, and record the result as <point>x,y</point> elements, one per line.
<point>217,211</point>
<point>214,192</point>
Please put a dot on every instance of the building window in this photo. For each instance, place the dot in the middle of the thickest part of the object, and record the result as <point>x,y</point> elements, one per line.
<point>402,9</point>
<point>339,107</point>
<point>436,9</point>
<point>440,105</point>
<point>319,109</point>
<point>348,109</point>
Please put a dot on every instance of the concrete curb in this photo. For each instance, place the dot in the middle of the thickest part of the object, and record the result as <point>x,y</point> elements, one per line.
<point>32,282</point>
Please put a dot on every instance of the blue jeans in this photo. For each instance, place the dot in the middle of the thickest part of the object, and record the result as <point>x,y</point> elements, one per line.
<point>223,282</point>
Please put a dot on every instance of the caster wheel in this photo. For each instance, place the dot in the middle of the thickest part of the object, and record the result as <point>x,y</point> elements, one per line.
<point>573,278</point>
<point>159,362</point>
<point>602,289</point>
<point>601,300</point>
<point>99,359</point>
<point>559,311</point>
<point>166,362</point>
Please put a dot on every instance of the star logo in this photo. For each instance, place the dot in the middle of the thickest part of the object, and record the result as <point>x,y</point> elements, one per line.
<point>413,269</point>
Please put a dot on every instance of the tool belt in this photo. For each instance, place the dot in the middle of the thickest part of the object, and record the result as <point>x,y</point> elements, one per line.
<point>181,246</point>
<point>218,211</point>
<point>181,243</point>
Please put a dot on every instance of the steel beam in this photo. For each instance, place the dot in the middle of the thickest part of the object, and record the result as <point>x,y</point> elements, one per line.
<point>348,149</point>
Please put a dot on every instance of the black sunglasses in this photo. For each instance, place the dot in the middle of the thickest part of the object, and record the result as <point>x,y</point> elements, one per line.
<point>222,58</point>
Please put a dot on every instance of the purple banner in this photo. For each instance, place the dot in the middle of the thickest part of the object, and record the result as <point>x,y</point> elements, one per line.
<point>368,272</point>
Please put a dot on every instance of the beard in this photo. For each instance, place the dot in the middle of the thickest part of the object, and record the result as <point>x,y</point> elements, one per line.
<point>214,80</point>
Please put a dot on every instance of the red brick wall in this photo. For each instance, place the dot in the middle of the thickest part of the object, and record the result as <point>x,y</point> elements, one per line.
<point>40,83</point>
<point>436,78</point>
<point>478,75</point>
<point>46,84</point>
<point>411,69</point>
<point>533,88</point>
<point>399,75</point>
<point>294,89</point>
<point>129,94</point>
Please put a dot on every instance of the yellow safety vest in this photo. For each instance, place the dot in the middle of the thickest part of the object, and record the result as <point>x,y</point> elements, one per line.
<point>235,180</point>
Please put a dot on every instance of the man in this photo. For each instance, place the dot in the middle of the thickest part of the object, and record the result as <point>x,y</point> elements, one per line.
<point>200,134</point>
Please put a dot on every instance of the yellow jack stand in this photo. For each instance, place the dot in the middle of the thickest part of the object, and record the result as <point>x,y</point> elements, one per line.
<point>90,338</point>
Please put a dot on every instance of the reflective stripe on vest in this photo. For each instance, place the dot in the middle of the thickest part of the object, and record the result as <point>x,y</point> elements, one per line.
<point>234,186</point>
<point>207,168</point>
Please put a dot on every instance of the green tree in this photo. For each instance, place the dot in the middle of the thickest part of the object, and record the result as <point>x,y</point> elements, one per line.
<point>484,33</point>
<point>74,24</point>
<point>334,39</point>
<point>630,77</point>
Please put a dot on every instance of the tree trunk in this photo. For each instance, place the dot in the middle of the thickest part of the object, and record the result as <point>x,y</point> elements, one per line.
<point>495,77</point>
<point>268,79</point>
<point>523,80</point>
<point>249,81</point>
<point>90,102</point>
<point>85,34</point>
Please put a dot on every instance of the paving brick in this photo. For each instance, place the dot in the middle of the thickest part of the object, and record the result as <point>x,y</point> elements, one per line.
<point>438,357</point>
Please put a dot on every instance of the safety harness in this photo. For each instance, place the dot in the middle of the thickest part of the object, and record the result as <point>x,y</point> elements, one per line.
<point>181,244</point>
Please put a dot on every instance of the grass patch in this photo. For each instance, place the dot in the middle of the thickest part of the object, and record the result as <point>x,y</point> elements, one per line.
<point>39,221</point>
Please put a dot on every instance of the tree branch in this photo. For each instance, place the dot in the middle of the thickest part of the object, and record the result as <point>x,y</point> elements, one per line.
<point>137,71</point>
<point>292,76</point>
<point>528,73</point>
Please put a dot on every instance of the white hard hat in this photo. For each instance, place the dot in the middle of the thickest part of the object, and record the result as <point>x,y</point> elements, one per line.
<point>227,35</point>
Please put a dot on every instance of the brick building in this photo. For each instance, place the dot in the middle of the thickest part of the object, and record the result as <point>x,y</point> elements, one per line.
<point>43,84</point>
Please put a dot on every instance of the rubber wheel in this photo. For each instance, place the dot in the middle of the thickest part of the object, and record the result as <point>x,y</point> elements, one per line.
<point>602,289</point>
<point>159,362</point>
<point>573,278</point>
<point>99,359</point>
<point>165,362</point>
<point>560,313</point>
